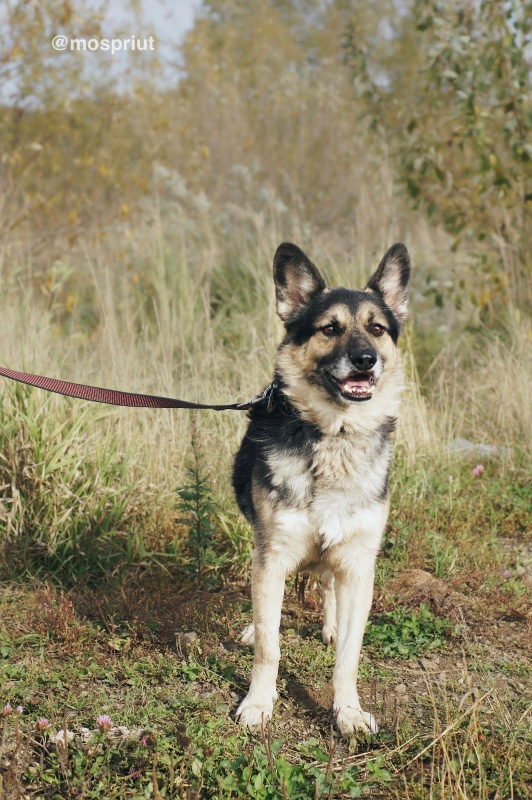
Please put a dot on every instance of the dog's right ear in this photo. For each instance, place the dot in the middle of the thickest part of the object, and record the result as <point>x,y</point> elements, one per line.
<point>296,280</point>
<point>391,280</point>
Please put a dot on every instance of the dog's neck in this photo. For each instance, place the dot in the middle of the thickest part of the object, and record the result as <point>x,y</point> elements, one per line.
<point>313,405</point>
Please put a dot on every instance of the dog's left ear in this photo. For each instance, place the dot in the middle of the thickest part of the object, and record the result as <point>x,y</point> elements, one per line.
<point>391,280</point>
<point>296,280</point>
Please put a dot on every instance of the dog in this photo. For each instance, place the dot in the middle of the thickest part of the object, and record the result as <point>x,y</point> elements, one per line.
<point>312,472</point>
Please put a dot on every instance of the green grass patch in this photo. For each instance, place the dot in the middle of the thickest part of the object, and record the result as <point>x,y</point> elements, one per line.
<point>403,633</point>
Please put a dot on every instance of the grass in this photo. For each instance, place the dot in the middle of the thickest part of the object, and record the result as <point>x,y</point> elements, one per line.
<point>124,562</point>
<point>119,537</point>
<point>67,506</point>
<point>444,669</point>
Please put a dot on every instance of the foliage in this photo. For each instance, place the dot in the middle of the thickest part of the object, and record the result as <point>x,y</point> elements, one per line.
<point>197,505</point>
<point>458,115</point>
<point>151,763</point>
<point>73,146</point>
<point>81,151</point>
<point>65,502</point>
<point>407,634</point>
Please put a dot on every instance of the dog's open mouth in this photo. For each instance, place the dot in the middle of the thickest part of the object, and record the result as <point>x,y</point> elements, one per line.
<point>357,386</point>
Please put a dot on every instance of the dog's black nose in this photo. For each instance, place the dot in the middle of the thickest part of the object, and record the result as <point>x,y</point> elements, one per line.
<point>364,360</point>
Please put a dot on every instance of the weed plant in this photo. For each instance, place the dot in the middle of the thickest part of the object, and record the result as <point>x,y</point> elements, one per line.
<point>405,633</point>
<point>198,510</point>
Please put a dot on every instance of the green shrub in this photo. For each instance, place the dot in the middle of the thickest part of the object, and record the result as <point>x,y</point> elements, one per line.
<point>65,504</point>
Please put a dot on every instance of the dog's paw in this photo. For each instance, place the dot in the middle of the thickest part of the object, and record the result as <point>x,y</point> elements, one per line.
<point>349,719</point>
<point>328,634</point>
<point>248,635</point>
<point>254,711</point>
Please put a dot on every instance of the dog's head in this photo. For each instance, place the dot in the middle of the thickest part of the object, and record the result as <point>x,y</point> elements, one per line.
<point>340,348</point>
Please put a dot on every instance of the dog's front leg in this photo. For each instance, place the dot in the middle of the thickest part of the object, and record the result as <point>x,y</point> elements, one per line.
<point>267,589</point>
<point>354,591</point>
<point>328,633</point>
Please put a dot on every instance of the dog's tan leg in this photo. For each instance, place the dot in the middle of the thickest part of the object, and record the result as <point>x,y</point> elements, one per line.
<point>267,589</point>
<point>328,633</point>
<point>247,636</point>
<point>354,590</point>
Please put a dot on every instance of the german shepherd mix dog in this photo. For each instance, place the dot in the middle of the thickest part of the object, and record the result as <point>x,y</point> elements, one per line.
<point>312,472</point>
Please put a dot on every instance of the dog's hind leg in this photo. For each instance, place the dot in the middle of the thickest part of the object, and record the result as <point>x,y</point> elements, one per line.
<point>267,588</point>
<point>354,590</point>
<point>248,635</point>
<point>328,633</point>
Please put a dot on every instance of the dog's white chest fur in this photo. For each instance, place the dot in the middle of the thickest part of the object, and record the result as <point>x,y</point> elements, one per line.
<point>343,504</point>
<point>329,498</point>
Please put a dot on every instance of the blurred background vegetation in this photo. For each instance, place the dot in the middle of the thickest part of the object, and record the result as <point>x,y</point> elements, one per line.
<point>139,215</point>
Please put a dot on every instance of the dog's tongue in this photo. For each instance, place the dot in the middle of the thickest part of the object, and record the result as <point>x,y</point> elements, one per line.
<point>358,384</point>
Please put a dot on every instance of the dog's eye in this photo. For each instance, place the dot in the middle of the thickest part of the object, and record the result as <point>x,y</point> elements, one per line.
<point>377,330</point>
<point>329,330</point>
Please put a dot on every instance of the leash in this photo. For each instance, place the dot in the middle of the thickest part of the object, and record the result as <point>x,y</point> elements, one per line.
<point>127,399</point>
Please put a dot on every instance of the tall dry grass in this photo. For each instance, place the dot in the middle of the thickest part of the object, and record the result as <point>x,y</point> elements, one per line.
<point>181,303</point>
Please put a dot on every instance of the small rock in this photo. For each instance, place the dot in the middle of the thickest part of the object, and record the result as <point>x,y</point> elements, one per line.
<point>400,689</point>
<point>119,731</point>
<point>59,737</point>
<point>86,735</point>
<point>184,640</point>
<point>465,447</point>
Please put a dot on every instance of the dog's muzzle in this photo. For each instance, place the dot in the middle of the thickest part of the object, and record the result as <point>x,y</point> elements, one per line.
<point>356,376</point>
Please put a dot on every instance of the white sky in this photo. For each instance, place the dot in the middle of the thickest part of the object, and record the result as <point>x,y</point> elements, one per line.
<point>166,20</point>
<point>169,19</point>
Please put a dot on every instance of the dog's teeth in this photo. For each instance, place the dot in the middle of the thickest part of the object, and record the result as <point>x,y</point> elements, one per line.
<point>358,390</point>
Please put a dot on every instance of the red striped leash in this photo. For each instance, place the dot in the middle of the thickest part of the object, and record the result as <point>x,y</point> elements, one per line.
<point>115,398</point>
